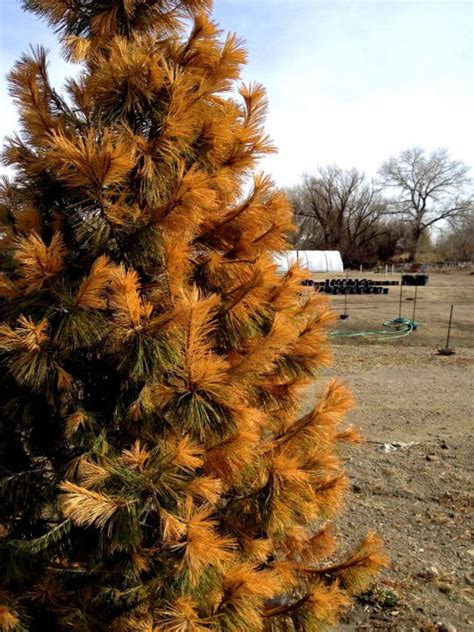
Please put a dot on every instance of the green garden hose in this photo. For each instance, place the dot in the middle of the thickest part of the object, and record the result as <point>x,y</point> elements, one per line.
<point>396,328</point>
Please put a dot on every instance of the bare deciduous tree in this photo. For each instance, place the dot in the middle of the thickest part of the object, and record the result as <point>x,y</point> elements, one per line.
<point>428,188</point>
<point>456,242</point>
<point>338,210</point>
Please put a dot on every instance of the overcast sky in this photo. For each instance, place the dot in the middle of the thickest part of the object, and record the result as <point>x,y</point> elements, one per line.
<point>349,81</point>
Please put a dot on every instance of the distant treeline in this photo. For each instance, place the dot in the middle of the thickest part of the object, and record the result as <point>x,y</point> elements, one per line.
<point>390,217</point>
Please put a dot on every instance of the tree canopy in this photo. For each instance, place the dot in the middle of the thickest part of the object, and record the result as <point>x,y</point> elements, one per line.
<point>157,471</point>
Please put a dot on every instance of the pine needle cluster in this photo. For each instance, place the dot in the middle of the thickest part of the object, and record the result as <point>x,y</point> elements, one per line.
<point>156,472</point>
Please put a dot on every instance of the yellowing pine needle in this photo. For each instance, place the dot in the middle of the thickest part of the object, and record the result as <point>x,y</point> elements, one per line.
<point>37,262</point>
<point>91,291</point>
<point>136,457</point>
<point>85,507</point>
<point>204,546</point>
<point>182,616</point>
<point>8,619</point>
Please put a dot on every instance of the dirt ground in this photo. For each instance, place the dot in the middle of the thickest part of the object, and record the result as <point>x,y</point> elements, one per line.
<point>411,479</point>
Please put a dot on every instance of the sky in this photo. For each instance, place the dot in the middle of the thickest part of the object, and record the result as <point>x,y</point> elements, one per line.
<point>349,82</point>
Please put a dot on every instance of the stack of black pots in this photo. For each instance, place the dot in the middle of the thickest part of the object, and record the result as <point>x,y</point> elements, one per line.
<point>351,286</point>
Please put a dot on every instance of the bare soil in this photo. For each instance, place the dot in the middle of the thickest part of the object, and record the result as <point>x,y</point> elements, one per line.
<point>411,479</point>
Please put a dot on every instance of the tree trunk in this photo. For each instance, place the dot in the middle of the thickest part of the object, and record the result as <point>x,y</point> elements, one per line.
<point>417,231</point>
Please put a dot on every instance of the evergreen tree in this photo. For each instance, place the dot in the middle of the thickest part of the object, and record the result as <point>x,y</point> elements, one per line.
<point>156,474</point>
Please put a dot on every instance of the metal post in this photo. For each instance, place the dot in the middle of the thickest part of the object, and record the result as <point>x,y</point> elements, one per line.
<point>401,294</point>
<point>345,315</point>
<point>449,326</point>
<point>446,351</point>
<point>414,303</point>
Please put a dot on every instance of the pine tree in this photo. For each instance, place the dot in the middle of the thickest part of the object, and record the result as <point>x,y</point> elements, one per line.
<point>156,471</point>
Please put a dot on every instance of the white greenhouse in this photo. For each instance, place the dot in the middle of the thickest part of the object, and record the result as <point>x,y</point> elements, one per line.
<point>312,260</point>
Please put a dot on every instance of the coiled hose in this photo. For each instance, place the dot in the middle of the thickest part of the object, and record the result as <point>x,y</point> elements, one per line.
<point>396,328</point>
